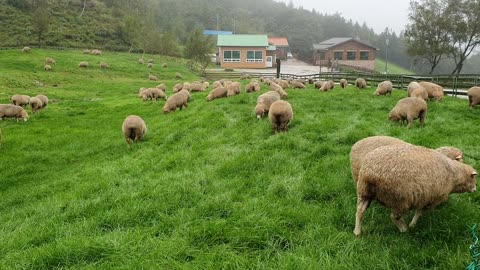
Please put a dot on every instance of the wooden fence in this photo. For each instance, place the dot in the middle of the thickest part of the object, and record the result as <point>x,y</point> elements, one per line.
<point>452,84</point>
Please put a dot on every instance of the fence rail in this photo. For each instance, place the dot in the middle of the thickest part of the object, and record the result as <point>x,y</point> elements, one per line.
<point>452,84</point>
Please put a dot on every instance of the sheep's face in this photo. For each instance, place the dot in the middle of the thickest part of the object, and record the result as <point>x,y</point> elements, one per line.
<point>24,115</point>
<point>393,117</point>
<point>260,110</point>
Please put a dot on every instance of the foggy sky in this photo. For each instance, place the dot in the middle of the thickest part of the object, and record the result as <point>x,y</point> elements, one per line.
<point>378,14</point>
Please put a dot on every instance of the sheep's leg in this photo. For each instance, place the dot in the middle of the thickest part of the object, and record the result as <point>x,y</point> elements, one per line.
<point>409,120</point>
<point>362,205</point>
<point>423,114</point>
<point>127,139</point>
<point>418,214</point>
<point>398,220</point>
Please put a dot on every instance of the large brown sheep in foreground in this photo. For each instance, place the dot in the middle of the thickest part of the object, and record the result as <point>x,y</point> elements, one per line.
<point>280,114</point>
<point>133,128</point>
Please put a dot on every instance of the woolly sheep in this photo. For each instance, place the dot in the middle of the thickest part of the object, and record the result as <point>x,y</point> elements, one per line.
<point>162,87</point>
<point>104,65</point>
<point>26,49</point>
<point>217,93</point>
<point>384,88</point>
<point>140,61</point>
<point>233,89</point>
<point>20,100</point>
<point>280,114</point>
<point>96,52</point>
<point>412,86</point>
<point>83,64</point>
<point>252,87</point>
<point>360,83</point>
<point>435,91</point>
<point>151,61</point>
<point>47,67</point>
<point>177,87</point>
<point>205,85</point>
<point>197,87</point>
<point>327,86</point>
<point>284,84</point>
<point>164,65</point>
<point>152,77</point>
<point>409,109</point>
<point>226,83</point>
<point>451,152</point>
<point>298,85</point>
<point>217,84</point>
<point>44,100</point>
<point>87,51</point>
<point>420,92</point>
<point>178,75</point>
<point>186,86</point>
<point>473,96</point>
<point>245,77</point>
<point>133,128</point>
<point>175,101</point>
<point>36,104</point>
<point>150,65</point>
<point>319,84</point>
<point>157,93</point>
<point>311,81</point>
<point>343,83</point>
<point>186,93</point>
<point>10,111</point>
<point>278,89</point>
<point>413,178</point>
<point>264,101</point>
<point>49,60</point>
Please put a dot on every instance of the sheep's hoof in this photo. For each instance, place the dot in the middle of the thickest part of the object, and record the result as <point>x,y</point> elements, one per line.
<point>357,232</point>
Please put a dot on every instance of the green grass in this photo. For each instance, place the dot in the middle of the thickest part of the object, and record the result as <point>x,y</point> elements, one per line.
<point>392,68</point>
<point>210,187</point>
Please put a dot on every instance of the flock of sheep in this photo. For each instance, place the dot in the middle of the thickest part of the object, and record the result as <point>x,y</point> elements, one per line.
<point>399,175</point>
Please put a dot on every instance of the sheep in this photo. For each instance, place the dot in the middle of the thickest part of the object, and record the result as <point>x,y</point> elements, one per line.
<point>178,75</point>
<point>162,87</point>
<point>384,88</point>
<point>151,61</point>
<point>360,83</point>
<point>10,111</point>
<point>26,49</point>
<point>104,65</point>
<point>44,100</point>
<point>20,100</point>
<point>186,93</point>
<point>233,89</point>
<point>412,86</point>
<point>435,91</point>
<point>47,67</point>
<point>414,177</point>
<point>420,92</point>
<point>311,81</point>
<point>409,109</point>
<point>96,52</point>
<point>140,61</point>
<point>157,93</point>
<point>87,51</point>
<point>297,84</point>
<point>264,101</point>
<point>150,65</point>
<point>145,94</point>
<point>133,128</point>
<point>177,87</point>
<point>343,83</point>
<point>364,146</point>
<point>319,84</point>
<point>35,104</point>
<point>280,114</point>
<point>186,86</point>
<point>473,96</point>
<point>327,86</point>
<point>279,89</point>
<point>205,85</point>
<point>217,93</point>
<point>175,101</point>
<point>226,83</point>
<point>217,84</point>
<point>164,65</point>
<point>284,84</point>
<point>245,77</point>
<point>83,64</point>
<point>249,88</point>
<point>49,60</point>
<point>197,87</point>
<point>152,77</point>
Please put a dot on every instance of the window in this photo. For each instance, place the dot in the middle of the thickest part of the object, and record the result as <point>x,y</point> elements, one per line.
<point>322,55</point>
<point>364,55</point>
<point>231,56</point>
<point>254,56</point>
<point>338,56</point>
<point>351,55</point>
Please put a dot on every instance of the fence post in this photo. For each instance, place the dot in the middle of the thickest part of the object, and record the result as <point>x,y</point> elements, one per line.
<point>278,67</point>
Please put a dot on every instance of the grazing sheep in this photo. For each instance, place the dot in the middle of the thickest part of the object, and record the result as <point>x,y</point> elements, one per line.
<point>327,86</point>
<point>413,178</point>
<point>245,77</point>
<point>343,83</point>
<point>311,81</point>
<point>20,100</point>
<point>409,109</point>
<point>384,88</point>
<point>96,52</point>
<point>83,64</point>
<point>162,87</point>
<point>133,128</point>
<point>186,86</point>
<point>26,49</point>
<point>298,85</point>
<point>47,67</point>
<point>226,83</point>
<point>205,85</point>
<point>151,61</point>
<point>175,101</point>
<point>435,91</point>
<point>319,84</point>
<point>152,77</point>
<point>252,87</point>
<point>177,87</point>
<point>217,84</point>
<point>217,93</point>
<point>473,96</point>
<point>360,83</point>
<point>140,61</point>
<point>104,65</point>
<point>420,92</point>
<point>10,111</point>
<point>197,87</point>
<point>164,65</point>
<point>279,89</point>
<point>186,93</point>
<point>280,114</point>
<point>178,75</point>
<point>233,89</point>
<point>36,104</point>
<point>285,84</point>
<point>412,86</point>
<point>150,65</point>
<point>451,152</point>
<point>49,60</point>
<point>264,101</point>
<point>44,100</point>
<point>87,51</point>
<point>145,94</point>
<point>157,93</point>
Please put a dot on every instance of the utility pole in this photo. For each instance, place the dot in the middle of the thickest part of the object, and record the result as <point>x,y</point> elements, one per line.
<point>386,53</point>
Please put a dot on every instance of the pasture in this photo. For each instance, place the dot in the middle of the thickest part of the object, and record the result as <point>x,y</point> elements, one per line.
<point>209,187</point>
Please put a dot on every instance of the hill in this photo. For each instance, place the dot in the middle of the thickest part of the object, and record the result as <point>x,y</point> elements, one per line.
<point>210,187</point>
<point>392,67</point>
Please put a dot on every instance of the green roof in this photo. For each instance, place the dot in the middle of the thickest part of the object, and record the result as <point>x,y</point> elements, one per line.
<point>242,41</point>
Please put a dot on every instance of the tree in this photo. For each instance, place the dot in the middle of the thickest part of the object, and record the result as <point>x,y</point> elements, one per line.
<point>40,19</point>
<point>428,35</point>
<point>198,47</point>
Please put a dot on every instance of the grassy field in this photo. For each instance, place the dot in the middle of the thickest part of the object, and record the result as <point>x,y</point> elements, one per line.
<point>392,68</point>
<point>210,187</point>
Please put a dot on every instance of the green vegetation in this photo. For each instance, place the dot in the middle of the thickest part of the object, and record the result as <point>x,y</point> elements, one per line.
<point>210,187</point>
<point>392,67</point>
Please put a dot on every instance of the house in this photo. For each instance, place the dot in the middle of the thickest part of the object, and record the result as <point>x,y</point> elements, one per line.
<point>349,52</point>
<point>245,51</point>
<point>282,46</point>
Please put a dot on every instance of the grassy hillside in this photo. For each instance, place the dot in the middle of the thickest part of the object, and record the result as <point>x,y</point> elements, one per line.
<point>392,67</point>
<point>210,187</point>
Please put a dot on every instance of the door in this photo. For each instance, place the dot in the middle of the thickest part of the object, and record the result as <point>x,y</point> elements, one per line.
<point>269,61</point>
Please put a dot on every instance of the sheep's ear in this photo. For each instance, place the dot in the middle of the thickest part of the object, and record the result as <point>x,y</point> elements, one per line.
<point>474,173</point>
<point>458,157</point>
